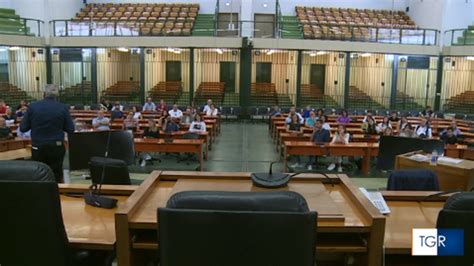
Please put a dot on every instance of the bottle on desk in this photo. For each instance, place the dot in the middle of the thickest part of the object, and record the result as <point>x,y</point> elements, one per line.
<point>434,158</point>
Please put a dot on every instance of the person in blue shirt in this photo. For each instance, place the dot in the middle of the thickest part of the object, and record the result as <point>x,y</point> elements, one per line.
<point>307,111</point>
<point>48,120</point>
<point>320,136</point>
<point>170,125</point>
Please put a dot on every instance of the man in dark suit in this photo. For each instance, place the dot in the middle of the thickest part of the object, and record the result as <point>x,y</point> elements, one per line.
<point>48,120</point>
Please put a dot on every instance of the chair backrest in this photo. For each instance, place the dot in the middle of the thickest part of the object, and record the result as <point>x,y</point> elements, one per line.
<point>458,212</point>
<point>31,228</point>
<point>413,179</point>
<point>25,171</point>
<point>115,172</point>
<point>236,228</point>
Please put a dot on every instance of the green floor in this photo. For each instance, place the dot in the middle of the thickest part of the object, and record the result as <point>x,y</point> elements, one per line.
<point>243,147</point>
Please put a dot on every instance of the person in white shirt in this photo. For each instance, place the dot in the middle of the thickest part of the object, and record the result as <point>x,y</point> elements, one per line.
<point>136,114</point>
<point>292,112</point>
<point>423,130</point>
<point>212,111</point>
<point>149,106</point>
<point>324,119</point>
<point>380,128</point>
<point>207,106</point>
<point>23,135</point>
<point>368,115</point>
<point>117,107</point>
<point>341,137</point>
<point>197,125</point>
<point>175,112</point>
<point>101,122</point>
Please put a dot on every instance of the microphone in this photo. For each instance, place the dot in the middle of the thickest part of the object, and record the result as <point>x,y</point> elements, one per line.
<point>93,197</point>
<point>270,180</point>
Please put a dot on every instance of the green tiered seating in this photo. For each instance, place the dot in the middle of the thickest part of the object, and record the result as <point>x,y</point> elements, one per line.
<point>467,36</point>
<point>290,28</point>
<point>204,25</point>
<point>10,23</point>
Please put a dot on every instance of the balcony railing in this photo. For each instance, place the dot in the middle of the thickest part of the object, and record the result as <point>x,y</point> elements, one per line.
<point>459,37</point>
<point>23,26</point>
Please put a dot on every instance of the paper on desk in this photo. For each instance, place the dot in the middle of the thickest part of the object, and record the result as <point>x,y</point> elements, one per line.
<point>449,160</point>
<point>419,157</point>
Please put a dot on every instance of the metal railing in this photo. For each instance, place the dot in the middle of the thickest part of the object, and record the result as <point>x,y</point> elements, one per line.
<point>29,27</point>
<point>459,37</point>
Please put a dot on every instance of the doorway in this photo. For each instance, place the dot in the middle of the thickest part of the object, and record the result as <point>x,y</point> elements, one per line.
<point>173,70</point>
<point>318,76</point>
<point>227,75</point>
<point>264,73</point>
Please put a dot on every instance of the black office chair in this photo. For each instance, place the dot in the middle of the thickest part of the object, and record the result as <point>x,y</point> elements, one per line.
<point>32,230</point>
<point>413,179</point>
<point>236,228</point>
<point>458,213</point>
<point>116,171</point>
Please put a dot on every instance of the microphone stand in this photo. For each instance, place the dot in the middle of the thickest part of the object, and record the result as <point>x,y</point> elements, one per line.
<point>93,197</point>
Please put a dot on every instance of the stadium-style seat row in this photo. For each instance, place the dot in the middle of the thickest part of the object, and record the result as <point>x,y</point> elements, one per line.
<point>11,23</point>
<point>167,90</point>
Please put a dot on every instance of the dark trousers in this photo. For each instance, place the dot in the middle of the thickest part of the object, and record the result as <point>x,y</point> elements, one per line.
<point>51,155</point>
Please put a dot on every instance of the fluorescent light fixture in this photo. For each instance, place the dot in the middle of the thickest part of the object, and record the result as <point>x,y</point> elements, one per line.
<point>265,5</point>
<point>365,54</point>
<point>14,48</point>
<point>270,52</point>
<point>321,52</point>
<point>219,51</point>
<point>122,49</point>
<point>470,58</point>
<point>227,4</point>
<point>177,51</point>
<point>312,54</point>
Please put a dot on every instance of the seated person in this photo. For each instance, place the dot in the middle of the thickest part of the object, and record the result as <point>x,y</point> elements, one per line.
<point>311,120</point>
<point>162,106</point>
<point>101,122</point>
<point>369,127</point>
<point>341,137</point>
<point>3,107</point>
<point>307,111</point>
<point>212,111</point>
<point>23,135</point>
<point>368,115</point>
<point>276,111</point>
<point>325,124</point>
<point>136,113</point>
<point>197,126</point>
<point>319,113</point>
<point>207,106</point>
<point>149,106</point>
<point>320,136</point>
<point>393,117</point>
<point>175,112</point>
<point>10,117</point>
<point>5,132</point>
<point>22,104</point>
<point>423,130</point>
<point>117,107</point>
<point>105,105</point>
<point>448,136</point>
<point>170,125</point>
<point>163,119</point>
<point>428,112</point>
<point>407,131</point>
<point>293,112</point>
<point>21,112</point>
<point>80,125</point>
<point>150,132</point>
<point>343,118</point>
<point>295,128</point>
<point>130,123</point>
<point>388,131</point>
<point>456,131</point>
<point>188,117</point>
<point>380,128</point>
<point>116,114</point>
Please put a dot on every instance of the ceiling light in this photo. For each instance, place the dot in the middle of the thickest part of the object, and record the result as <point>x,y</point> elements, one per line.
<point>265,5</point>
<point>321,52</point>
<point>14,48</point>
<point>122,49</point>
<point>227,4</point>
<point>312,54</point>
<point>270,52</point>
<point>470,58</point>
<point>365,54</point>
<point>219,51</point>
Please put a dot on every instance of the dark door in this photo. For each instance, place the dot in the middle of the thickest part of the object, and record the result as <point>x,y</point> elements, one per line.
<point>4,72</point>
<point>318,75</point>
<point>227,75</point>
<point>264,26</point>
<point>264,73</point>
<point>173,70</point>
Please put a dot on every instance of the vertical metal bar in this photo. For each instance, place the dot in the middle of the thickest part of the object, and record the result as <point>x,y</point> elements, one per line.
<point>401,32</point>
<point>67,29</point>
<point>377,35</point>
<point>191,75</point>
<point>245,73</point>
<point>298,78</point>
<point>393,91</point>
<point>439,83</point>
<point>424,37</point>
<point>95,91</point>
<point>25,27</point>
<point>436,37</point>
<point>39,27</point>
<point>49,65</point>
<point>347,79</point>
<point>142,75</point>
<point>452,37</point>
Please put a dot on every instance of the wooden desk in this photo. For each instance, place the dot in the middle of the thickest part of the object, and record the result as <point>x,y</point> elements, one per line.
<point>408,211</point>
<point>366,150</point>
<point>176,146</point>
<point>359,233</point>
<point>450,176</point>
<point>15,149</point>
<point>88,227</point>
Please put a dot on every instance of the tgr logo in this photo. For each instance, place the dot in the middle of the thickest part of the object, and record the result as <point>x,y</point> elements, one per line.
<point>437,242</point>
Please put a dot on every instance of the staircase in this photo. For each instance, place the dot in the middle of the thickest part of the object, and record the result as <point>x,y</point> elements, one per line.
<point>467,37</point>
<point>406,102</point>
<point>461,103</point>
<point>79,93</point>
<point>11,23</point>
<point>290,28</point>
<point>12,95</point>
<point>204,25</point>
<point>170,91</point>
<point>313,96</point>
<point>360,100</point>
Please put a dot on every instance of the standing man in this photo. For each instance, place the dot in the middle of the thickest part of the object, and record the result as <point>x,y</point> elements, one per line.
<point>48,120</point>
